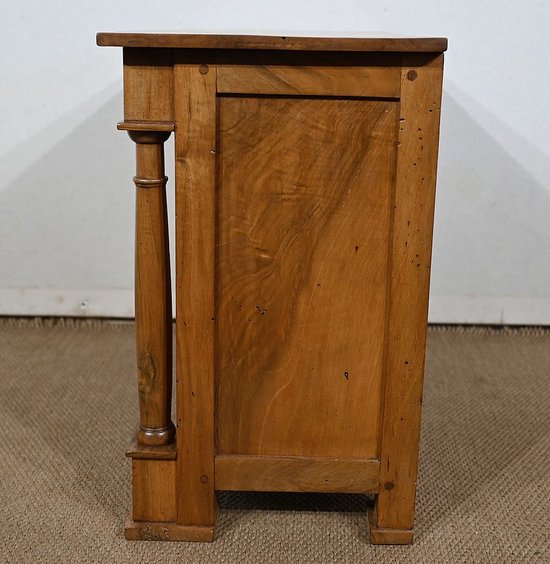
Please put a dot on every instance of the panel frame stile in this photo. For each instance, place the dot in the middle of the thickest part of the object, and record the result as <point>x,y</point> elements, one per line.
<point>392,518</point>
<point>195,162</point>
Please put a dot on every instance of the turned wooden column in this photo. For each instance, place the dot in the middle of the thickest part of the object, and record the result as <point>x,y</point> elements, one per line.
<point>152,289</point>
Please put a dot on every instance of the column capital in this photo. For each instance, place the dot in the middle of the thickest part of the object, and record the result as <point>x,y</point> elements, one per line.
<point>147,132</point>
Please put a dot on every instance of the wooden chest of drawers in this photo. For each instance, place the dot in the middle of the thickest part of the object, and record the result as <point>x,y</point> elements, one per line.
<point>305,180</point>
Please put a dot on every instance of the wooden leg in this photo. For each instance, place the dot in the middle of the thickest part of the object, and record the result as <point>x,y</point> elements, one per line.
<point>392,521</point>
<point>380,535</point>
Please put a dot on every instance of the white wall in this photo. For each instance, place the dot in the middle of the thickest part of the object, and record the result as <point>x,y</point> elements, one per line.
<point>66,197</point>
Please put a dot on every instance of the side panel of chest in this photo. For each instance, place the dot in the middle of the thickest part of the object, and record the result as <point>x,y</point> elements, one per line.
<point>303,209</point>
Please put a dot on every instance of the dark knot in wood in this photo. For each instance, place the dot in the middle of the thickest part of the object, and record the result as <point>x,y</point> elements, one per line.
<point>147,375</point>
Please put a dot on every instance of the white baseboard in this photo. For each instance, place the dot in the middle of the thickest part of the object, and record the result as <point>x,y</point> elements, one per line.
<point>488,310</point>
<point>119,303</point>
<point>67,302</point>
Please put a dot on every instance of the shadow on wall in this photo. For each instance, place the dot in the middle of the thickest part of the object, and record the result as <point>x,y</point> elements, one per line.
<point>492,214</point>
<point>67,219</point>
<point>66,222</point>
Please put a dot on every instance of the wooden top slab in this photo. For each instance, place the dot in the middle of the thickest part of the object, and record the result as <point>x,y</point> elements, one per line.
<point>187,41</point>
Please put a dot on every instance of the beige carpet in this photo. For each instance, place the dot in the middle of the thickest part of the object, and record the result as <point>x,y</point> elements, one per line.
<point>69,405</point>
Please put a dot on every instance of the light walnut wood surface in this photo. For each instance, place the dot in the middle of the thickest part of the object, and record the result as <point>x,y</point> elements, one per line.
<point>411,245</point>
<point>304,204</point>
<point>379,535</point>
<point>145,77</point>
<point>375,81</point>
<point>296,474</point>
<point>154,492</point>
<point>195,112</point>
<point>305,184</point>
<point>160,531</point>
<point>153,293</point>
<point>148,85</point>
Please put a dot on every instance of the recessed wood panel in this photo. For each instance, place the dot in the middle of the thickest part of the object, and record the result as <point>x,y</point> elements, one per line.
<point>303,211</point>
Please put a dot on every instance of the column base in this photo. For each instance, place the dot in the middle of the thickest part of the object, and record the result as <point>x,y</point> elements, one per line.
<point>387,536</point>
<point>158,531</point>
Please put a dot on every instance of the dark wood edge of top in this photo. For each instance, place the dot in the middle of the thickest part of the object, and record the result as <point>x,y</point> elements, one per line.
<point>186,41</point>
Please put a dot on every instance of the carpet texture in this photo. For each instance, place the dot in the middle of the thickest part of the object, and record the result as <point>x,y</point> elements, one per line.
<point>68,405</point>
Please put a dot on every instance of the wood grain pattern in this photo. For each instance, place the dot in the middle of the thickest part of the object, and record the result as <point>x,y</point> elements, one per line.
<point>304,206</point>
<point>136,450</point>
<point>382,82</point>
<point>148,85</point>
<point>153,303</point>
<point>388,536</point>
<point>154,491</point>
<point>190,41</point>
<point>410,277</point>
<point>296,474</point>
<point>147,108</point>
<point>158,531</point>
<point>147,78</point>
<point>140,125</point>
<point>195,145</point>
